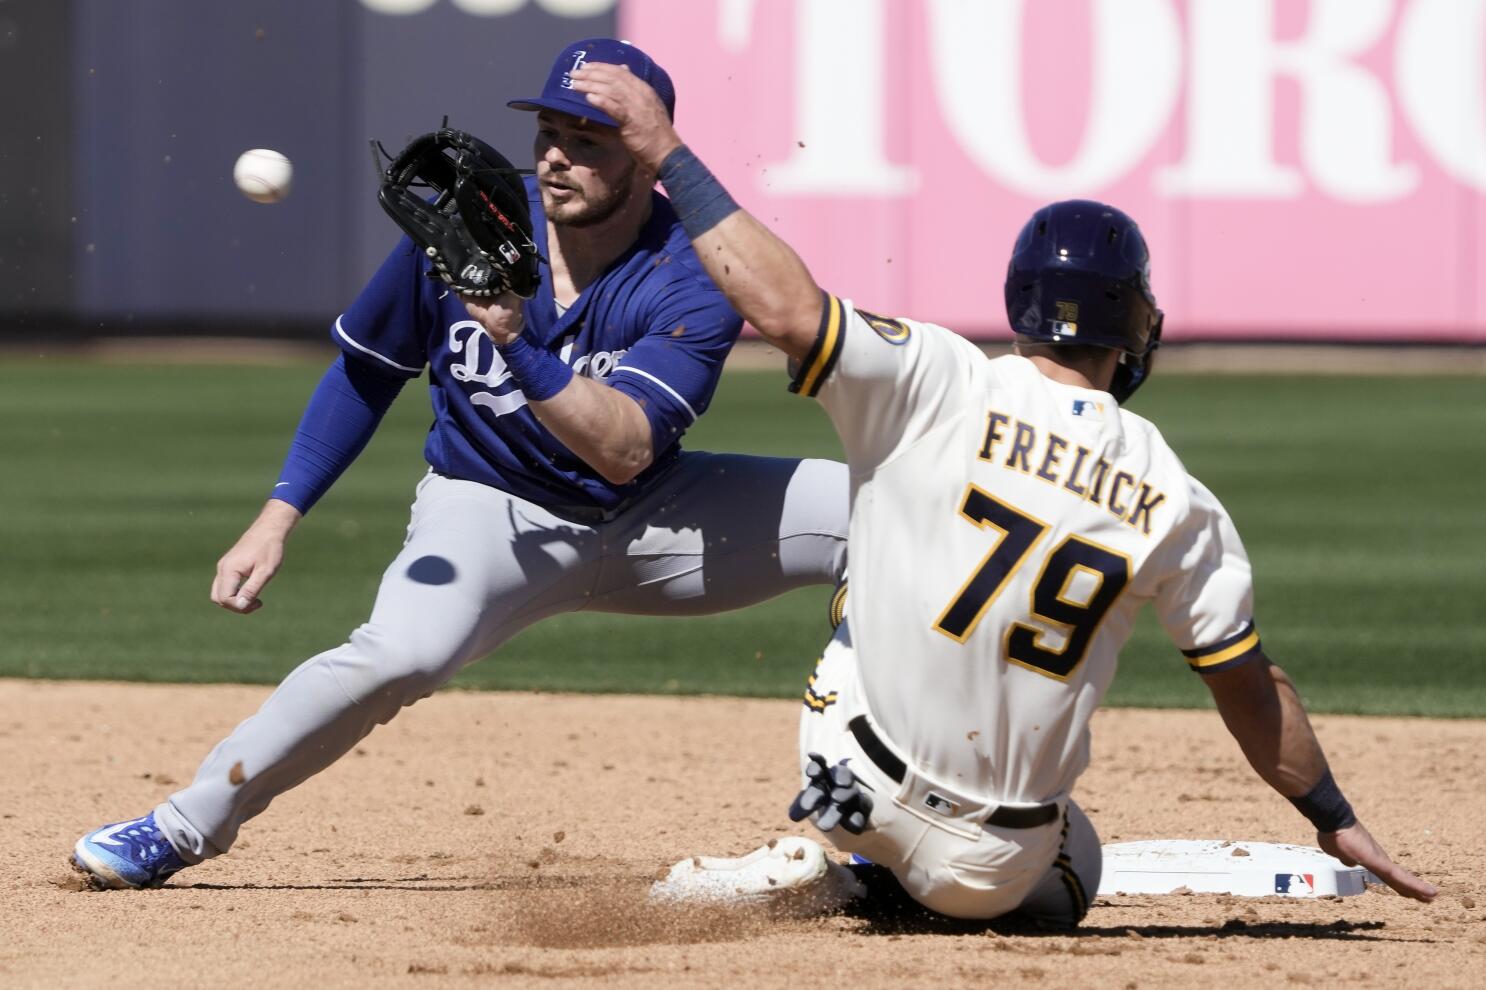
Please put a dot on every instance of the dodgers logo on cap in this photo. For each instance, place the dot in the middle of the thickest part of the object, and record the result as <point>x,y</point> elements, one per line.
<point>558,94</point>
<point>580,58</point>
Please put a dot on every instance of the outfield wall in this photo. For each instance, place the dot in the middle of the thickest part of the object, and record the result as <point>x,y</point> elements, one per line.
<point>1304,169</point>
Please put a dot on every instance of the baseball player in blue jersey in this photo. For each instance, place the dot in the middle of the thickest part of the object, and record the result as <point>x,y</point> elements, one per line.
<point>556,479</point>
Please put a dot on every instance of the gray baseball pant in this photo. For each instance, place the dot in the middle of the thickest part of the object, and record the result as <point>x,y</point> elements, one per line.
<point>721,532</point>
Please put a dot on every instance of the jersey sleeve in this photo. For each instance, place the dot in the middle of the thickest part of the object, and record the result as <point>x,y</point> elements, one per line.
<point>884,382</point>
<point>385,324</point>
<point>673,369</point>
<point>1207,601</point>
<point>340,418</point>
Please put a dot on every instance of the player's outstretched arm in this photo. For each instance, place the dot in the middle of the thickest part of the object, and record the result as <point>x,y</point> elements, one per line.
<point>1263,711</point>
<point>254,559</point>
<point>342,414</point>
<point>762,277</point>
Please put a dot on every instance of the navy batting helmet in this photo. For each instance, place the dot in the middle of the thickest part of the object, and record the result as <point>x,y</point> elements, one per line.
<point>1080,274</point>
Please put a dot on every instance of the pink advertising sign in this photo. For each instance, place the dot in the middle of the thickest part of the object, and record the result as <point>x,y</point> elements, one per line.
<point>1313,169</point>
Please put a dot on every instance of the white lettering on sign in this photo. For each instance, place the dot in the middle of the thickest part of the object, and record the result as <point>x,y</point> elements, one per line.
<point>977,51</point>
<point>398,7</point>
<point>494,8</point>
<point>1230,61</point>
<point>734,23</point>
<point>576,8</point>
<point>1346,121</point>
<point>840,118</point>
<point>1440,70</point>
<point>489,8</point>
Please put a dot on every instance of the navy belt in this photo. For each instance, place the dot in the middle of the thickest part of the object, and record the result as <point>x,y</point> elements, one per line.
<point>1002,817</point>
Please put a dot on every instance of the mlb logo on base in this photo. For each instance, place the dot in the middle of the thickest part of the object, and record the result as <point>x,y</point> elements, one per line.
<point>1296,884</point>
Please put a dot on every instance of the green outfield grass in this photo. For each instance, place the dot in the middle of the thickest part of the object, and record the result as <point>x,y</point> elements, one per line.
<point>1359,499</point>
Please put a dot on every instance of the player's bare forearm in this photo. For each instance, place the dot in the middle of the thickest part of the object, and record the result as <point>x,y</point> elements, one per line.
<point>606,428</point>
<point>761,275</point>
<point>254,559</point>
<point>1263,711</point>
<point>765,280</point>
<point>278,516</point>
<point>603,426</point>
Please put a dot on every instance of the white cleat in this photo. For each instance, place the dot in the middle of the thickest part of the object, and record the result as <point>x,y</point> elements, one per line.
<point>791,874</point>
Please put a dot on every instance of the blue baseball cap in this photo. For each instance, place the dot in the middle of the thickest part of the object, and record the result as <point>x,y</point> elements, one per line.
<point>559,94</point>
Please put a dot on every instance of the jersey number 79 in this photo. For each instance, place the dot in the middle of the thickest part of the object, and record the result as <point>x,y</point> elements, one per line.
<point>1051,600</point>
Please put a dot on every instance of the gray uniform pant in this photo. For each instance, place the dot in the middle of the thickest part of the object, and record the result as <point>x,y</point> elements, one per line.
<point>721,532</point>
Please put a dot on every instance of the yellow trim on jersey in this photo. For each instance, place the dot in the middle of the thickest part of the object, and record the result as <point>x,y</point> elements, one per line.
<point>814,700</point>
<point>838,605</point>
<point>1222,656</point>
<point>823,355</point>
<point>817,702</point>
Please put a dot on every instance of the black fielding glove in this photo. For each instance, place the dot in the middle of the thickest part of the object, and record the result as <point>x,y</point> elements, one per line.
<point>477,229</point>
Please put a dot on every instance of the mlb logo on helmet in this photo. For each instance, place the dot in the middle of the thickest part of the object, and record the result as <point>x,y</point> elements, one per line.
<point>1298,884</point>
<point>1066,322</point>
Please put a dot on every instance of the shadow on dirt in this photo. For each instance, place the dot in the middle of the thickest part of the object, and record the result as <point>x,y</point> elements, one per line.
<point>891,912</point>
<point>427,882</point>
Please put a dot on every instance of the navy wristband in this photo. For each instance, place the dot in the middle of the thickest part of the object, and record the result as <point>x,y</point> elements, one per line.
<point>698,198</point>
<point>538,372</point>
<point>1325,806</point>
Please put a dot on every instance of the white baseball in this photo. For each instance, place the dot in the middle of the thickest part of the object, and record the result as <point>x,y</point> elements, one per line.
<point>264,176</point>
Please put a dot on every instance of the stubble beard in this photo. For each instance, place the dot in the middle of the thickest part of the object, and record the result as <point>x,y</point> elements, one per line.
<point>593,213</point>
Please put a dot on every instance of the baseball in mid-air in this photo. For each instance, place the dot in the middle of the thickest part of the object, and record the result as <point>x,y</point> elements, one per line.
<point>263,175</point>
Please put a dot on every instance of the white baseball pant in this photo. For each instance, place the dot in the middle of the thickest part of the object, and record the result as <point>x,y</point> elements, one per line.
<point>950,860</point>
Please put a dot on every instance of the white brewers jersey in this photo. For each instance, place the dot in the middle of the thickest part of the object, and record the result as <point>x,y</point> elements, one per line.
<point>1005,531</point>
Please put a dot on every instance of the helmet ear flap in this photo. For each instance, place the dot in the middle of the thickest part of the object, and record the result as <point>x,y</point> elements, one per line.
<point>1134,369</point>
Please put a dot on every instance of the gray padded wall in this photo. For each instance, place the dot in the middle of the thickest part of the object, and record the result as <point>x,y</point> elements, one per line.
<point>134,112</point>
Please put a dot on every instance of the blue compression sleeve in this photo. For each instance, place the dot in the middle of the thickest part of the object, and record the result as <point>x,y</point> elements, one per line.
<point>341,417</point>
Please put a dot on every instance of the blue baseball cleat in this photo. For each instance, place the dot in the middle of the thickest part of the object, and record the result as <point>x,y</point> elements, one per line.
<point>124,855</point>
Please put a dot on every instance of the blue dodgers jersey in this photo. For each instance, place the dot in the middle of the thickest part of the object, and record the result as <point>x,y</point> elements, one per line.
<point>653,326</point>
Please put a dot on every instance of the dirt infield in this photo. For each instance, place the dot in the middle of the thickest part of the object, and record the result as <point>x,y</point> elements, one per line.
<point>509,838</point>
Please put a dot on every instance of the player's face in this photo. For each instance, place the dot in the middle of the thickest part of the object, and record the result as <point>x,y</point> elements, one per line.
<point>583,170</point>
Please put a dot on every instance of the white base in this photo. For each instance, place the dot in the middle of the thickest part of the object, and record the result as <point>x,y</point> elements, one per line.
<point>1208,866</point>
<point>791,875</point>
